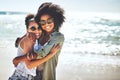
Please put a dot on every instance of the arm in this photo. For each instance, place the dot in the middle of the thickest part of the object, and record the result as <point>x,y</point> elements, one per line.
<point>33,63</point>
<point>18,59</point>
<point>26,44</point>
<point>17,41</point>
<point>55,38</point>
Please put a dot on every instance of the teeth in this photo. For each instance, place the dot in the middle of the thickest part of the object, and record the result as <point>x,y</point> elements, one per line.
<point>37,34</point>
<point>48,27</point>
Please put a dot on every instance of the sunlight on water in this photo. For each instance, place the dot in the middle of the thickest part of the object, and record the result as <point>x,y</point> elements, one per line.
<point>85,33</point>
<point>92,33</point>
<point>91,47</point>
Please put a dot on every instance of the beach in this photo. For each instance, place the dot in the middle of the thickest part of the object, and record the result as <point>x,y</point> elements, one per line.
<point>70,66</point>
<point>87,67</point>
<point>91,49</point>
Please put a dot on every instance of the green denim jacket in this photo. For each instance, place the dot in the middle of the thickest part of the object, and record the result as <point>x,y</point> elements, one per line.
<point>49,71</point>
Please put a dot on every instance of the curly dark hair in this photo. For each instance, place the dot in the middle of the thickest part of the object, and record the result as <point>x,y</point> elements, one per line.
<point>54,11</point>
<point>28,18</point>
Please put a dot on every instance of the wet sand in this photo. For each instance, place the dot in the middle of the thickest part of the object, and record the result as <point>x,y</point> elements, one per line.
<point>6,65</point>
<point>70,67</point>
<point>87,67</point>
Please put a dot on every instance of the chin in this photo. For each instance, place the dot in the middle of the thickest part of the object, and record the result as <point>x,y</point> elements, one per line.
<point>38,37</point>
<point>48,31</point>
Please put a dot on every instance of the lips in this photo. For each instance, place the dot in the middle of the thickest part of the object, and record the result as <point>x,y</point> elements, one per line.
<point>48,27</point>
<point>37,35</point>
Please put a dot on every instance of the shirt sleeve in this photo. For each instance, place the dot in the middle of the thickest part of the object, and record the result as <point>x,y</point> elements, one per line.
<point>55,38</point>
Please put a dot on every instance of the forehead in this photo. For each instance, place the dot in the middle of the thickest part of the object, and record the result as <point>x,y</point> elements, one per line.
<point>33,23</point>
<point>45,17</point>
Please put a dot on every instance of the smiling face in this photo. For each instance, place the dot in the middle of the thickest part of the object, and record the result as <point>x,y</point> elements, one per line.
<point>47,23</point>
<point>33,27</point>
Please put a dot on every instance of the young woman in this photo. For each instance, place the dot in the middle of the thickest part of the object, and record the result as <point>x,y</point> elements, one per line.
<point>50,17</point>
<point>26,46</point>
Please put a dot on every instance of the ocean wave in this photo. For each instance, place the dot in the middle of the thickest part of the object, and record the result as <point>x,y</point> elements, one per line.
<point>108,22</point>
<point>84,35</point>
<point>91,48</point>
<point>11,13</point>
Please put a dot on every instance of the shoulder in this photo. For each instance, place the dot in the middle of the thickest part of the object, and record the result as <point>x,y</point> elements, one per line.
<point>57,34</point>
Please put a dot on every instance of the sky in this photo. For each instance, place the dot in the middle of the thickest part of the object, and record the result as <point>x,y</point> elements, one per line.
<point>67,5</point>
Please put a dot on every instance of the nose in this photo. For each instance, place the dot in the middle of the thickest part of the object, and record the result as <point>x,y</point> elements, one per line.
<point>46,24</point>
<point>36,31</point>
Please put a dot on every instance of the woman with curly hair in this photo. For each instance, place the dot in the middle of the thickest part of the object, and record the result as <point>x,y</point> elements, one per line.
<point>50,17</point>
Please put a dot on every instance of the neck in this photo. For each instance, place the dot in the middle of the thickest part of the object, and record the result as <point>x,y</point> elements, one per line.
<point>48,33</point>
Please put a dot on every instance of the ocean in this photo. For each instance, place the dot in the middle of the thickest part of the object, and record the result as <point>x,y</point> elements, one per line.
<point>92,40</point>
<point>92,33</point>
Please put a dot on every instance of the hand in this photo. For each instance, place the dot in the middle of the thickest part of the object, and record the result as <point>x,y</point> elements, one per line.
<point>15,63</point>
<point>55,49</point>
<point>18,40</point>
<point>31,36</point>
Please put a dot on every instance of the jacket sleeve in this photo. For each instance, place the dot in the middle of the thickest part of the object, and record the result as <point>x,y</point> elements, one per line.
<point>55,38</point>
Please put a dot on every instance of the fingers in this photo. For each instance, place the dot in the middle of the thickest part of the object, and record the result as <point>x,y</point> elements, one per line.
<point>55,48</point>
<point>56,45</point>
<point>31,36</point>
